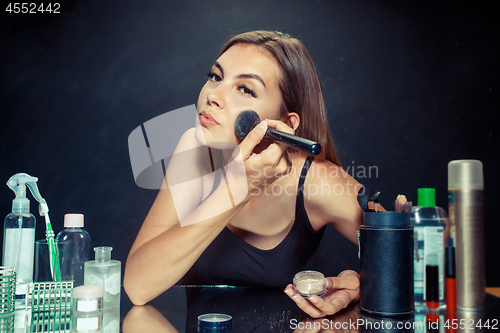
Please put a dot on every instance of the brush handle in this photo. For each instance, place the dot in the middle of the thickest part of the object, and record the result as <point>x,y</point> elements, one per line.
<point>304,145</point>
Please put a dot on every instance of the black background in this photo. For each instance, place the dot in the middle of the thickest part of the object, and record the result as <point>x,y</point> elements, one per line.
<point>409,86</point>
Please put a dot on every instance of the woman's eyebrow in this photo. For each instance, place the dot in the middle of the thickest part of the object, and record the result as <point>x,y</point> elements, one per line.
<point>242,76</point>
<point>251,76</point>
<point>216,64</point>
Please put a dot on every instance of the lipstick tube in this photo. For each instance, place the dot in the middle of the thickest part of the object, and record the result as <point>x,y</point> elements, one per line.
<point>432,286</point>
<point>451,283</point>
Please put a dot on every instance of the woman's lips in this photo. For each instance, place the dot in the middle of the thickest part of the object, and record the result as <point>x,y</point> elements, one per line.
<point>206,119</point>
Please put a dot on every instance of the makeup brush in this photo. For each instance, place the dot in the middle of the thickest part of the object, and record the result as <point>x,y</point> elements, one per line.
<point>402,204</point>
<point>247,120</point>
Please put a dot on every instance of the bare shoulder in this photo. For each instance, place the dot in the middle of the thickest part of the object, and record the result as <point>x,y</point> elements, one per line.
<point>325,179</point>
<point>190,159</point>
<point>188,140</point>
<point>331,198</point>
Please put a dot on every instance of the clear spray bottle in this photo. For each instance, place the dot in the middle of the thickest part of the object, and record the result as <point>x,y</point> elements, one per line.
<point>19,232</point>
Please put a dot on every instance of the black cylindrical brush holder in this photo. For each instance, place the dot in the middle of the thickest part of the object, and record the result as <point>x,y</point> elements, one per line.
<point>386,264</point>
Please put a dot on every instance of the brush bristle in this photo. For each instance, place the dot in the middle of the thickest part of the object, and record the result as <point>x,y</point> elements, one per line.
<point>245,122</point>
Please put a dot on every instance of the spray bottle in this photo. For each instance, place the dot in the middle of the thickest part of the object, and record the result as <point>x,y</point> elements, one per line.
<point>466,207</point>
<point>19,231</point>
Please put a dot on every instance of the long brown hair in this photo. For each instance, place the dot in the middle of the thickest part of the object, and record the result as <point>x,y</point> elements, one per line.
<point>300,87</point>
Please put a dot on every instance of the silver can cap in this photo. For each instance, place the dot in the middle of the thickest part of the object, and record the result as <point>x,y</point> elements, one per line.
<point>465,174</point>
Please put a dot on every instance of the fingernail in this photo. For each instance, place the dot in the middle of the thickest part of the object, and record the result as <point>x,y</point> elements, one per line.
<point>313,299</point>
<point>263,124</point>
<point>288,292</point>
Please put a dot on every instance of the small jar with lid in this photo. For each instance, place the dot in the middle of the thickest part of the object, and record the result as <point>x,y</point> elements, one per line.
<point>87,308</point>
<point>214,323</point>
<point>308,283</point>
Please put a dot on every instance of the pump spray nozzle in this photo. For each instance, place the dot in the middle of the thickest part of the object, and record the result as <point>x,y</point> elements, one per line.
<point>18,183</point>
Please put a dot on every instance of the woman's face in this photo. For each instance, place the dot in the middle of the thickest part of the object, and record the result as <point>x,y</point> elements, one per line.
<point>245,77</point>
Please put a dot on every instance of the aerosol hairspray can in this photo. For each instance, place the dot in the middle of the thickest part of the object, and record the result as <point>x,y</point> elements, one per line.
<point>466,210</point>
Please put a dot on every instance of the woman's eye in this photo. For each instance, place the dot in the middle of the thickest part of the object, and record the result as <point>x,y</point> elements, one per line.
<point>246,91</point>
<point>214,77</point>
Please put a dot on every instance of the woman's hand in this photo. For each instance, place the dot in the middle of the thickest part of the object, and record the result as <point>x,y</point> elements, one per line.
<point>254,165</point>
<point>340,291</point>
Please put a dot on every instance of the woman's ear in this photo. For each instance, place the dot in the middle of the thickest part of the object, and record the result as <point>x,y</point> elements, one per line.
<point>293,120</point>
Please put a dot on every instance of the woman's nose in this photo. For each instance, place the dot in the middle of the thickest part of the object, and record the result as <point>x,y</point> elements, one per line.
<point>216,97</point>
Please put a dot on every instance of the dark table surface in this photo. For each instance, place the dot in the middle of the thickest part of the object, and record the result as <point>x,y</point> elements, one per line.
<point>262,310</point>
<point>252,309</point>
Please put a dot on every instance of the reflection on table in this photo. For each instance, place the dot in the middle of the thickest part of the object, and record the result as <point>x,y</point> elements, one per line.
<point>65,321</point>
<point>252,309</point>
<point>263,310</point>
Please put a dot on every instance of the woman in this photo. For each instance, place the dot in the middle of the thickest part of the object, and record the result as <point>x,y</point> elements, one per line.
<point>280,199</point>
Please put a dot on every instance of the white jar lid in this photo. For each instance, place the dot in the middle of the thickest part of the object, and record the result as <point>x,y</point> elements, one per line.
<point>88,291</point>
<point>88,298</point>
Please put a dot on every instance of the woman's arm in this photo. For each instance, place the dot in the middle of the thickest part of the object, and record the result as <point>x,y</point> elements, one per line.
<point>334,203</point>
<point>164,250</point>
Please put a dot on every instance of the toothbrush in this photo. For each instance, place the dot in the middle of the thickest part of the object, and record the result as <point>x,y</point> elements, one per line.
<point>55,269</point>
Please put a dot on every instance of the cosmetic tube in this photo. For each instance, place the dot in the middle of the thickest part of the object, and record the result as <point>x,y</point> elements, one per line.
<point>466,201</point>
<point>432,286</point>
<point>451,283</point>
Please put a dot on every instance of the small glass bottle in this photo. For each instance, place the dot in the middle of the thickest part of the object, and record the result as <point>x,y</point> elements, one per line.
<point>78,248</point>
<point>106,273</point>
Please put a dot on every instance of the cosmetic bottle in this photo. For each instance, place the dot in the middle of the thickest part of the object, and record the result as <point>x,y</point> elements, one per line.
<point>106,273</point>
<point>429,222</point>
<point>466,208</point>
<point>77,241</point>
<point>19,234</point>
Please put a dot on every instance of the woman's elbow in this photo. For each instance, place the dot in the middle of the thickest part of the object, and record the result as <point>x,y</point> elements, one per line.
<point>139,284</point>
<point>138,290</point>
<point>135,286</point>
<point>135,295</point>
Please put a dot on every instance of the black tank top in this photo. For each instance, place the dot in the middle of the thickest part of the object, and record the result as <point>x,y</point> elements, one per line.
<point>230,260</point>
